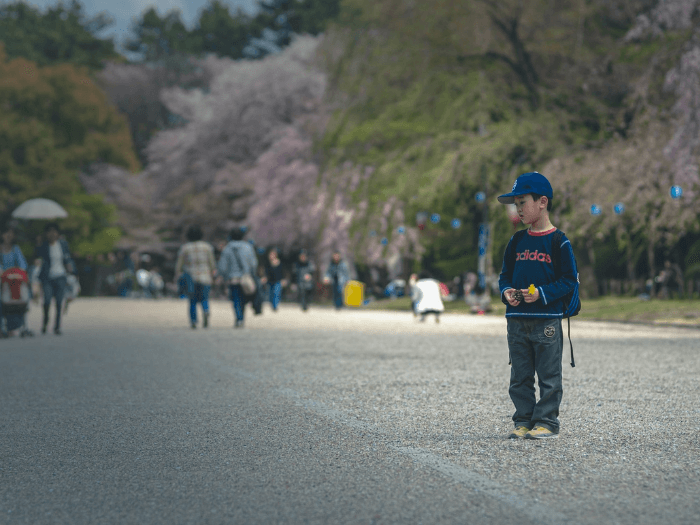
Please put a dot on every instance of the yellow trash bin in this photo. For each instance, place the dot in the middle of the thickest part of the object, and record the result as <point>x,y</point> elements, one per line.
<point>354,293</point>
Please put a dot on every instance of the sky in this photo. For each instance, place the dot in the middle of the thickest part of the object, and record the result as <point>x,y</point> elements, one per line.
<point>124,11</point>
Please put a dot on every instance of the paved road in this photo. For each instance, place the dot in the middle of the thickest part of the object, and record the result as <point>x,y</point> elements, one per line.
<point>326,417</point>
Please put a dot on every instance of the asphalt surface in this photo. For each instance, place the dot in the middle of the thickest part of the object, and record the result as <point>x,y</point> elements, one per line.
<point>130,416</point>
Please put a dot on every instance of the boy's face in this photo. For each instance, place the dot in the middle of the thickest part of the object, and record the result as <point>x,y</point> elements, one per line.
<point>530,210</point>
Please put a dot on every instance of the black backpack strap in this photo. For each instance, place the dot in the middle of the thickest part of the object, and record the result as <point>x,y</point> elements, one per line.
<point>556,260</point>
<point>568,324</point>
<point>556,251</point>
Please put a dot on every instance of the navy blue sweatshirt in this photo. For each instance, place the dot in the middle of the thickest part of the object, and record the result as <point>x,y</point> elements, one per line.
<point>530,262</point>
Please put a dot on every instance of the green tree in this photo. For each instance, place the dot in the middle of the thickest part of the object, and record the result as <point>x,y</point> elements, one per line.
<point>157,38</point>
<point>221,33</point>
<point>54,123</point>
<point>61,34</point>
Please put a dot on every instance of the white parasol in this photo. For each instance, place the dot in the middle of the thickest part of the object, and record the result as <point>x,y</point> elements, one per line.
<point>39,209</point>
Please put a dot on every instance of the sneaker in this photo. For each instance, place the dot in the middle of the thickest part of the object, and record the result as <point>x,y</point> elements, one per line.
<point>193,325</point>
<point>518,432</point>
<point>205,322</point>
<point>541,433</point>
<point>57,331</point>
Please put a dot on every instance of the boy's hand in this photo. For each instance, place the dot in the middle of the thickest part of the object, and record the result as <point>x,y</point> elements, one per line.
<point>530,297</point>
<point>510,297</point>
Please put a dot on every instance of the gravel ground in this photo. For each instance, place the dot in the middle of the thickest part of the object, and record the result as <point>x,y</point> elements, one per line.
<point>336,417</point>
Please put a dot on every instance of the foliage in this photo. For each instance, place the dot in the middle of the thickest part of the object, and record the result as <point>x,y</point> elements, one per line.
<point>222,33</point>
<point>54,122</point>
<point>61,34</point>
<point>442,99</point>
<point>155,37</point>
<point>247,137</point>
<point>282,18</point>
<point>135,89</point>
<point>235,35</point>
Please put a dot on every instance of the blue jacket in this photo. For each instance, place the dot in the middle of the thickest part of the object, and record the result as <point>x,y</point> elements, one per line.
<point>339,271</point>
<point>530,262</point>
<point>44,254</point>
<point>229,267</point>
<point>14,259</point>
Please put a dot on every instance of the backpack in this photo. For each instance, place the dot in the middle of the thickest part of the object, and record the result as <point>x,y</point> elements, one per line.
<point>572,301</point>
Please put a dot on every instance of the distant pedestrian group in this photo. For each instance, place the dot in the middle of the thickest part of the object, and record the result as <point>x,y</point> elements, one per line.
<point>52,275</point>
<point>246,280</point>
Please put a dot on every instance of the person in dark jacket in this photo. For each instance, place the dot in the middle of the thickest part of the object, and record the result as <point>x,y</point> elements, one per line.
<point>56,265</point>
<point>274,277</point>
<point>303,274</point>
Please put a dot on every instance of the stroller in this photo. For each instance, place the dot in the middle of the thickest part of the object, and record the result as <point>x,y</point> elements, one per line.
<point>14,300</point>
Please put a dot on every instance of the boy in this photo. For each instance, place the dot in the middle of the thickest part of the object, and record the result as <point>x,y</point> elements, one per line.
<point>533,291</point>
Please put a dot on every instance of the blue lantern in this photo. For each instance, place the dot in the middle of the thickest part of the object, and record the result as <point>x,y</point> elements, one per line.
<point>385,241</point>
<point>595,209</point>
<point>676,192</point>
<point>619,208</point>
<point>244,229</point>
<point>401,229</point>
<point>456,223</point>
<point>480,196</point>
<point>373,233</point>
<point>435,218</point>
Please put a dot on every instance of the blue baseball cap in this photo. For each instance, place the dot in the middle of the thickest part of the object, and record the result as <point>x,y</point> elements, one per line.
<point>532,182</point>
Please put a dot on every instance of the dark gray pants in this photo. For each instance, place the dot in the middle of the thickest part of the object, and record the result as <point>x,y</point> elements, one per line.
<point>54,289</point>
<point>535,346</point>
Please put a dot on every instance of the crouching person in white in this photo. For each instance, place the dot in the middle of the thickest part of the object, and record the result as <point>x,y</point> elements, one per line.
<point>426,297</point>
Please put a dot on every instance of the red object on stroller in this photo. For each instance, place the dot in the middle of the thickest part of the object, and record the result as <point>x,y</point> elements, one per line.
<point>14,299</point>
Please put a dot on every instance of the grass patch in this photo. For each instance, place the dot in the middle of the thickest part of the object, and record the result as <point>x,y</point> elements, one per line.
<point>674,311</point>
<point>403,304</point>
<point>630,309</point>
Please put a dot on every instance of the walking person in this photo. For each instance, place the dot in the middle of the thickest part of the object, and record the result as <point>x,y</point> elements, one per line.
<point>196,260</point>
<point>337,276</point>
<point>303,274</point>
<point>56,265</point>
<point>538,274</point>
<point>274,278</point>
<point>426,297</point>
<point>236,266</point>
<point>11,257</point>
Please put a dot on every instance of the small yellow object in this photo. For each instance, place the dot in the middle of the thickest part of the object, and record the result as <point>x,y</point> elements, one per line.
<point>354,293</point>
<point>531,289</point>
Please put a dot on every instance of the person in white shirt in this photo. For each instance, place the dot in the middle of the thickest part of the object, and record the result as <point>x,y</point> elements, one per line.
<point>56,265</point>
<point>426,297</point>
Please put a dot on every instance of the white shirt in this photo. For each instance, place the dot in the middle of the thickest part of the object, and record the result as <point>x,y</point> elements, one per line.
<point>426,295</point>
<point>56,256</point>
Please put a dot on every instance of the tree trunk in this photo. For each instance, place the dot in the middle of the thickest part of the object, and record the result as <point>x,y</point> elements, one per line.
<point>521,64</point>
<point>652,263</point>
